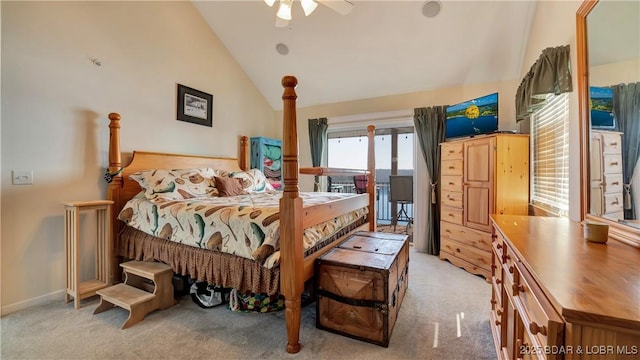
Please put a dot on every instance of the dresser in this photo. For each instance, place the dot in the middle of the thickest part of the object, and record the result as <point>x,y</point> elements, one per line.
<point>266,155</point>
<point>606,174</point>
<point>479,177</point>
<point>557,296</point>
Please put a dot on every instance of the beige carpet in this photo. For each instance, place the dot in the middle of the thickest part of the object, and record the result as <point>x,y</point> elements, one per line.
<point>444,316</point>
<point>399,229</point>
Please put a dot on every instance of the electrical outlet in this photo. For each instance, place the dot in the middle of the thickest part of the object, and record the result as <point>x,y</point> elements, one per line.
<point>22,177</point>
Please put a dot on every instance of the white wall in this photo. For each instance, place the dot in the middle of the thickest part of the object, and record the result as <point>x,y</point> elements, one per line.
<point>615,73</point>
<point>54,110</point>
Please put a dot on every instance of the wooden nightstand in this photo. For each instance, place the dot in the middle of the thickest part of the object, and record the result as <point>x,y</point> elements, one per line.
<point>75,288</point>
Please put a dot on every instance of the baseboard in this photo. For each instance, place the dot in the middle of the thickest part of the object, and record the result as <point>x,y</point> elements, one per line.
<point>43,299</point>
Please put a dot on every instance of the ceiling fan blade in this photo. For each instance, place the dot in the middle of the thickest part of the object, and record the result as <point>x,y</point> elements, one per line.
<point>343,7</point>
<point>281,22</point>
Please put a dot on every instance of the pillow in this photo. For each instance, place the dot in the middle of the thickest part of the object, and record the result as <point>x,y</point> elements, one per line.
<point>177,184</point>
<point>229,186</point>
<point>253,180</point>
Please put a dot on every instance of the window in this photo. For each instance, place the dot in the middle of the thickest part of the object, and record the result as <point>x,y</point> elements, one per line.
<point>348,149</point>
<point>550,155</point>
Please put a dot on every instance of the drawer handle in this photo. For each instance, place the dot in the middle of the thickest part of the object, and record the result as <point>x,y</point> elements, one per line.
<point>499,246</point>
<point>451,215</point>
<point>511,269</point>
<point>497,322</point>
<point>615,163</point>
<point>614,144</point>
<point>451,167</point>
<point>493,302</point>
<point>615,202</point>
<point>451,151</point>
<point>451,184</point>
<point>536,329</point>
<point>615,183</point>
<point>499,312</point>
<point>494,266</point>
<point>458,249</point>
<point>498,281</point>
<point>518,288</point>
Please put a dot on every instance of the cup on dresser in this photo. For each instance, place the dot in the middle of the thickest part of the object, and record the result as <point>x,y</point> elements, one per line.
<point>595,231</point>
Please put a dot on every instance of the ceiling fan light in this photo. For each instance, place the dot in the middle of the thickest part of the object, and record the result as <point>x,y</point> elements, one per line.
<point>308,6</point>
<point>284,11</point>
<point>270,2</point>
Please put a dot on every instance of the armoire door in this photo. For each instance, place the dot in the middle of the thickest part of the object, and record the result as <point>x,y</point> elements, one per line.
<point>478,179</point>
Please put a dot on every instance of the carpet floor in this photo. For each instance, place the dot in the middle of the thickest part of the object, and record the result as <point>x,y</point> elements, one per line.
<point>444,315</point>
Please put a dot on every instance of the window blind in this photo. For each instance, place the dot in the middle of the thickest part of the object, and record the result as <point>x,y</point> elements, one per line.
<point>550,155</point>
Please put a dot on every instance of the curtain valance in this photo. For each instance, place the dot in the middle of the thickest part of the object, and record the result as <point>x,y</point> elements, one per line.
<point>550,74</point>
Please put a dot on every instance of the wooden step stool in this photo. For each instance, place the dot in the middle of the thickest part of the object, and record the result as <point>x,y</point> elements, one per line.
<point>130,294</point>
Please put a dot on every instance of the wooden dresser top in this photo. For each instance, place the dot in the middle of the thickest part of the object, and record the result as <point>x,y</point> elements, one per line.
<point>585,281</point>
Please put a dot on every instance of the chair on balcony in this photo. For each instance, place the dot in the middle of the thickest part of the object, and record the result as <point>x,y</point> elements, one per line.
<point>360,183</point>
<point>401,191</point>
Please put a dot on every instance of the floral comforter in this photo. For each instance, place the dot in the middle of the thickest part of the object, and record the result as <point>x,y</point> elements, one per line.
<point>244,225</point>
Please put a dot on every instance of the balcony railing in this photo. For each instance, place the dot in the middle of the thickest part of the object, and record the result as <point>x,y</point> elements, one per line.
<point>385,215</point>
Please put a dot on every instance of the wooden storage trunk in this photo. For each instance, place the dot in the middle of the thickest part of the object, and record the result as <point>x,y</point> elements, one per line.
<point>360,285</point>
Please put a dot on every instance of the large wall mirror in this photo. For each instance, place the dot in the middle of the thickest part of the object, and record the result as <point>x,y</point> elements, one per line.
<point>609,94</point>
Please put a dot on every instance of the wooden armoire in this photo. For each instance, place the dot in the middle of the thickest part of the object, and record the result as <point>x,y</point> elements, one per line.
<point>480,176</point>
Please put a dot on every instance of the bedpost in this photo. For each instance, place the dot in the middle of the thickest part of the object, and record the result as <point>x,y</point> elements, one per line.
<point>244,153</point>
<point>371,178</point>
<point>291,264</point>
<point>115,159</point>
<point>114,188</point>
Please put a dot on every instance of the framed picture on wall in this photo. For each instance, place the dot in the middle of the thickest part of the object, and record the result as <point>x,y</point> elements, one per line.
<point>194,106</point>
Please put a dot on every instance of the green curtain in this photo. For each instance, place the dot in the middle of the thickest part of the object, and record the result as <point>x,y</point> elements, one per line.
<point>626,107</point>
<point>318,141</point>
<point>550,74</point>
<point>429,124</point>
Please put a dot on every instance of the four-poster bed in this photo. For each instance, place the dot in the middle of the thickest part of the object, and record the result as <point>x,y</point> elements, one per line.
<point>296,262</point>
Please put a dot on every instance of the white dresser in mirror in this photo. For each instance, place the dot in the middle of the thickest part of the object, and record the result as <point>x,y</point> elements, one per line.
<point>606,174</point>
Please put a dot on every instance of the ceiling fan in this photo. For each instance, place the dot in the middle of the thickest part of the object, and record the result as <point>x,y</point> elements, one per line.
<point>283,17</point>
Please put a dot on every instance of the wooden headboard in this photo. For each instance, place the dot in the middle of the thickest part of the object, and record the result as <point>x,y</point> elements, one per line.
<point>122,189</point>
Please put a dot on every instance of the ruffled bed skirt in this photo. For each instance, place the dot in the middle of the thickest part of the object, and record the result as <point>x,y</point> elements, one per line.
<point>204,265</point>
<point>214,267</point>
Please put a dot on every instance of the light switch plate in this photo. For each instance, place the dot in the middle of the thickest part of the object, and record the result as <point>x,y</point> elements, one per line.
<point>22,177</point>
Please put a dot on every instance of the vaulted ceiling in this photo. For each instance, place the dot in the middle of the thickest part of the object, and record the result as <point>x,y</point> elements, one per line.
<point>380,48</point>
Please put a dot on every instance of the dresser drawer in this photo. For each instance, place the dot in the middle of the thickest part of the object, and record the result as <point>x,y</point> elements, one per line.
<point>452,198</point>
<point>496,281</point>
<point>612,183</point>
<point>527,348</point>
<point>451,167</point>
<point>508,262</point>
<point>452,183</point>
<point>612,203</point>
<point>476,239</point>
<point>539,318</point>
<point>611,144</point>
<point>451,151</point>
<point>452,215</point>
<point>495,316</point>
<point>611,164</point>
<point>479,258</point>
